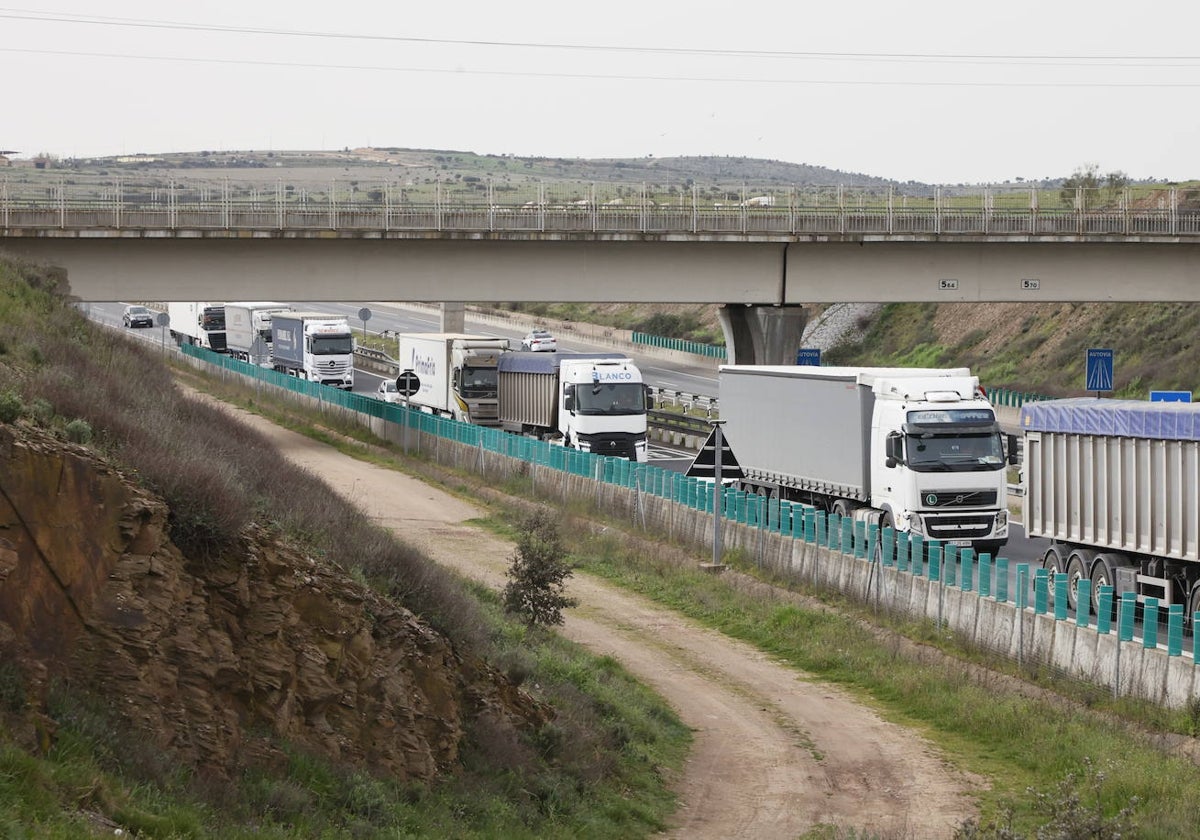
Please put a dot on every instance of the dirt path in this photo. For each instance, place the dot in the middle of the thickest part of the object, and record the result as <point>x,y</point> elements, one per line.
<point>775,754</point>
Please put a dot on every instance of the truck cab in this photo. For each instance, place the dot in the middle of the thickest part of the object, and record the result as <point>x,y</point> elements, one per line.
<point>603,407</point>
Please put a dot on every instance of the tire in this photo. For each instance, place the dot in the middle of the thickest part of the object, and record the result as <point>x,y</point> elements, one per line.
<point>1079,565</point>
<point>1192,607</point>
<point>1103,574</point>
<point>1054,563</point>
<point>840,507</point>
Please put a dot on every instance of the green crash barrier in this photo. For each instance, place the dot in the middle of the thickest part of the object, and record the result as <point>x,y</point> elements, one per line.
<point>1104,609</point>
<point>1150,623</point>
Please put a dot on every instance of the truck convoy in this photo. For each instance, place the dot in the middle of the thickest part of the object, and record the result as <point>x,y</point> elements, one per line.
<point>248,330</point>
<point>457,374</point>
<point>313,345</point>
<point>1115,486</point>
<point>595,402</point>
<point>914,449</point>
<point>199,324</point>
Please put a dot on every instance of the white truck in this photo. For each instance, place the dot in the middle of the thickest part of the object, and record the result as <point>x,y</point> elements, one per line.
<point>1115,486</point>
<point>915,449</point>
<point>199,324</point>
<point>248,330</point>
<point>595,402</point>
<point>313,345</point>
<point>456,372</point>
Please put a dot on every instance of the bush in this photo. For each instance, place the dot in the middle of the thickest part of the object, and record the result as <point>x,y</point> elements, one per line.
<point>537,577</point>
<point>78,431</point>
<point>10,407</point>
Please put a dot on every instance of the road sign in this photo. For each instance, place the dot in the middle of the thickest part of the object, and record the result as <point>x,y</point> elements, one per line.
<point>704,464</point>
<point>809,356</point>
<point>1171,396</point>
<point>162,319</point>
<point>1099,370</point>
<point>407,383</point>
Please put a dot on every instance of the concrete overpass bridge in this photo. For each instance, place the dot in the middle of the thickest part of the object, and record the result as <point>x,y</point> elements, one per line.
<point>761,254</point>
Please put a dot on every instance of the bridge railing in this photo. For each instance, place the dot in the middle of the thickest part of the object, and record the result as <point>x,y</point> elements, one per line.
<point>494,205</point>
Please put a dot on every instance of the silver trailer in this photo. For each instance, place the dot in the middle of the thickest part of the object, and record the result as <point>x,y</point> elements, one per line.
<point>1113,484</point>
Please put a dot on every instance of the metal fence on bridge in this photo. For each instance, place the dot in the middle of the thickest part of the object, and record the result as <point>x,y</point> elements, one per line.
<point>500,206</point>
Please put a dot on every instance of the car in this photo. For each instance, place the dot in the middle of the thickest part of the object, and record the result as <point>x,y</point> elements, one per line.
<point>387,391</point>
<point>137,316</point>
<point>538,341</point>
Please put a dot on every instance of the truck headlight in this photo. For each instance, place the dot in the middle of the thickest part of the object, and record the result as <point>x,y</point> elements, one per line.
<point>1002,524</point>
<point>915,526</point>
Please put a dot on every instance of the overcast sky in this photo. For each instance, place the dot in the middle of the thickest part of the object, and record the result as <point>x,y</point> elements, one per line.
<point>939,92</point>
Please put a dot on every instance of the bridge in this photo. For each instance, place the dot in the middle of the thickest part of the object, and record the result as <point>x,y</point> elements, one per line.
<point>759,253</point>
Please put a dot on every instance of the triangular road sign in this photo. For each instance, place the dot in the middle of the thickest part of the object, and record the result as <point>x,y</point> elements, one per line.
<point>704,464</point>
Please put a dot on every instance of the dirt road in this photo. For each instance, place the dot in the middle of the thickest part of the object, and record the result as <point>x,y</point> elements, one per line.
<point>775,753</point>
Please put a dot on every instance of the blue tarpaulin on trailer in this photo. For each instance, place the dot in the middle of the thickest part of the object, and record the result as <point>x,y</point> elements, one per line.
<point>1116,418</point>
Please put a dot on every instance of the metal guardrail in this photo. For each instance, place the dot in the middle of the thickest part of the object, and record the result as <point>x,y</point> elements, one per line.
<point>670,421</point>
<point>125,203</point>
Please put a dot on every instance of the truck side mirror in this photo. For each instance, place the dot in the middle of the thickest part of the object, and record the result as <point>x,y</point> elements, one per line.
<point>1012,449</point>
<point>649,392</point>
<point>568,397</point>
<point>894,450</point>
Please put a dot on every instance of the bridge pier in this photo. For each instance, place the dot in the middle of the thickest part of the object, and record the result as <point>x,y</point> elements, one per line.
<point>453,318</point>
<point>757,334</point>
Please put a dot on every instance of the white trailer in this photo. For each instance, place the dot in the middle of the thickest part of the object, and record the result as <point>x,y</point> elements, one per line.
<point>457,374</point>
<point>1114,485</point>
<point>595,402</point>
<point>198,323</point>
<point>248,330</point>
<point>914,449</point>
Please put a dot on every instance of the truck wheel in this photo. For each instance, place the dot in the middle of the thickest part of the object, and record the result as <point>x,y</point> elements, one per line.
<point>1078,565</point>
<point>1103,574</point>
<point>841,508</point>
<point>1193,607</point>
<point>1054,563</point>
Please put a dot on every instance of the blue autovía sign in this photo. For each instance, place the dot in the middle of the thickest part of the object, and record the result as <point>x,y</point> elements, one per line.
<point>809,356</point>
<point>1171,396</point>
<point>1099,370</point>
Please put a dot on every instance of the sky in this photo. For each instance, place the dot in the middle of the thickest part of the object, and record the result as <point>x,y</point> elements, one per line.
<point>936,92</point>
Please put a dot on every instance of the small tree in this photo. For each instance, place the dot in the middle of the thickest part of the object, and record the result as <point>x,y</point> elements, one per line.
<point>537,577</point>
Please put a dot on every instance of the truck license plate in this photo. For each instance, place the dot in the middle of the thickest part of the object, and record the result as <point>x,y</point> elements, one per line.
<point>960,543</point>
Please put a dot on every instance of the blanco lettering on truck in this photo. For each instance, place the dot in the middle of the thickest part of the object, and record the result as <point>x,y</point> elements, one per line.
<point>612,376</point>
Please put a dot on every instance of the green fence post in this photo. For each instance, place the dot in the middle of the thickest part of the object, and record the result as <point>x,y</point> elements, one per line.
<point>1021,596</point>
<point>1083,602</point>
<point>916,553</point>
<point>935,561</point>
<point>1041,593</point>
<point>950,565</point>
<point>902,550</point>
<point>1061,584</point>
<point>1002,579</point>
<point>1150,623</point>
<point>985,575</point>
<point>889,547</point>
<point>1125,618</point>
<point>1175,630</point>
<point>847,543</point>
<point>860,539</point>
<point>968,569</point>
<point>1104,609</point>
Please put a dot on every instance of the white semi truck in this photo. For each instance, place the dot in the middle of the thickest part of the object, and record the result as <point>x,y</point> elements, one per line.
<point>595,402</point>
<point>199,324</point>
<point>313,345</point>
<point>1115,486</point>
<point>456,372</point>
<point>914,449</point>
<point>248,330</point>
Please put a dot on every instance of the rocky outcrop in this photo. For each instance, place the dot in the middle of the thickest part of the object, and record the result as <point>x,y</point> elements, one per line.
<point>219,662</point>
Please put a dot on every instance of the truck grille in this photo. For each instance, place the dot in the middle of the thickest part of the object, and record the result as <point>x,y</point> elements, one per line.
<point>618,445</point>
<point>958,527</point>
<point>958,498</point>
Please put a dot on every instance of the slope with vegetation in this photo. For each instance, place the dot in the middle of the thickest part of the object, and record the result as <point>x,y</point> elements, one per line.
<point>199,640</point>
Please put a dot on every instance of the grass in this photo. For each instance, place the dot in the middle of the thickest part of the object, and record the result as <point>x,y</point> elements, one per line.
<point>71,766</point>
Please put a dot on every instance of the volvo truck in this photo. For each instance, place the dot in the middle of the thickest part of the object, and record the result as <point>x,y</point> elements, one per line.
<point>456,372</point>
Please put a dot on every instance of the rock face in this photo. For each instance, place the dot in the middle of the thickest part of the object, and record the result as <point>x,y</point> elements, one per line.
<point>218,662</point>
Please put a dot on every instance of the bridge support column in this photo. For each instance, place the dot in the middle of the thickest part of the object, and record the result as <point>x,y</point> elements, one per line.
<point>757,334</point>
<point>454,318</point>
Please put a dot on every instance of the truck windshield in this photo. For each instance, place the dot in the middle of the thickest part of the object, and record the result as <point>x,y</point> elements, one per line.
<point>929,452</point>
<point>332,345</point>
<point>478,382</point>
<point>610,398</point>
<point>213,318</point>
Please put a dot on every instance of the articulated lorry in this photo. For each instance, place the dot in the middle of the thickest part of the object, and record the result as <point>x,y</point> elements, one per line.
<point>914,449</point>
<point>248,330</point>
<point>199,324</point>
<point>1115,486</point>
<point>595,402</point>
<point>313,345</point>
<point>456,372</point>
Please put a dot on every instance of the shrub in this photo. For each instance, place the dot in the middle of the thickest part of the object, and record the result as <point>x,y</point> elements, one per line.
<point>78,431</point>
<point>537,577</point>
<point>10,407</point>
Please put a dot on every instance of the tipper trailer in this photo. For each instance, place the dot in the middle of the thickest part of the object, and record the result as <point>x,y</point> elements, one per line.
<point>915,449</point>
<point>595,402</point>
<point>1113,485</point>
